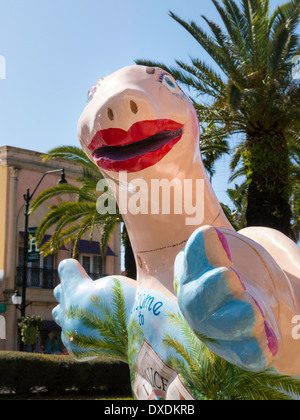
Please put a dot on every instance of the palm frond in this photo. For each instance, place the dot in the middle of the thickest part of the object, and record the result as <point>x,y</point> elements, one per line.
<point>72,153</point>
<point>229,53</point>
<point>107,230</point>
<point>149,63</point>
<point>120,309</point>
<point>71,220</point>
<point>199,77</point>
<point>181,350</point>
<point>214,378</point>
<point>88,346</point>
<point>70,211</point>
<point>56,191</point>
<point>111,325</point>
<point>194,79</point>
<point>207,42</point>
<point>236,18</point>
<point>232,30</point>
<point>92,321</point>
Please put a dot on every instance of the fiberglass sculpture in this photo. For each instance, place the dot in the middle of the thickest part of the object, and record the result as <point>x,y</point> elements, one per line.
<point>197,279</point>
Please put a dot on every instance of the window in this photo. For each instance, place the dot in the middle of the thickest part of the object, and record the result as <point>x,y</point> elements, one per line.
<point>86,263</point>
<point>97,265</point>
<point>92,265</point>
<point>40,273</point>
<point>48,265</point>
<point>48,262</point>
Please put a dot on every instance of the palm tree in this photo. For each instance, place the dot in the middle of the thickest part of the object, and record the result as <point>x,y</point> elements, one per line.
<point>254,93</point>
<point>213,145</point>
<point>73,219</point>
<point>208,376</point>
<point>295,197</point>
<point>296,212</point>
<point>129,259</point>
<point>239,195</point>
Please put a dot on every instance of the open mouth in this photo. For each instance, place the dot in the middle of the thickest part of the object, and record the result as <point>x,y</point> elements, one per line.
<point>143,145</point>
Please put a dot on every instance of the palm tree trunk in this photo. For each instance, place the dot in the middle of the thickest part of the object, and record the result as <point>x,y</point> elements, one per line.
<point>130,266</point>
<point>268,171</point>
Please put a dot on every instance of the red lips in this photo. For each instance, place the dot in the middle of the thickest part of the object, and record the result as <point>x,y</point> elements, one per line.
<point>143,145</point>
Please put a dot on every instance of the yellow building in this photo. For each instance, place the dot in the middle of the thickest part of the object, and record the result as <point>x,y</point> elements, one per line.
<point>21,169</point>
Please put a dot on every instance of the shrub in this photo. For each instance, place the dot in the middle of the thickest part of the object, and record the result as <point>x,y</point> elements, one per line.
<point>24,373</point>
<point>30,329</point>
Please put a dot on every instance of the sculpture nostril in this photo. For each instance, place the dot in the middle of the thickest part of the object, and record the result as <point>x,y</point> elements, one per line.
<point>133,107</point>
<point>110,114</point>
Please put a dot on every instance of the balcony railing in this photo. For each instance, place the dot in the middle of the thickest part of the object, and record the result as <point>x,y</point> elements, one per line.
<point>96,276</point>
<point>43,278</point>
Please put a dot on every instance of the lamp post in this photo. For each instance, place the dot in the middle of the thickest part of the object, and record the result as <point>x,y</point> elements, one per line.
<point>17,300</point>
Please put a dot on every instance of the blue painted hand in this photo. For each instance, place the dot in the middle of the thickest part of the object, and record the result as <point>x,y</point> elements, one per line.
<point>93,315</point>
<point>214,299</point>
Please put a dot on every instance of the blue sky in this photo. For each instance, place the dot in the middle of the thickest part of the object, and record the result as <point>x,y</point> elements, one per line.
<point>55,50</point>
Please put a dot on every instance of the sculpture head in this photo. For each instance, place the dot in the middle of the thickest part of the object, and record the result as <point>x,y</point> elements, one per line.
<point>139,122</point>
<point>138,119</point>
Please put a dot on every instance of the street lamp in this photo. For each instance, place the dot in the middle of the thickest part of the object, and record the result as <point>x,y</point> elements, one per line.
<point>16,298</point>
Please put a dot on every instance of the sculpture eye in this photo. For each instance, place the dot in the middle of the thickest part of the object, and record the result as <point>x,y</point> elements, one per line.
<point>169,82</point>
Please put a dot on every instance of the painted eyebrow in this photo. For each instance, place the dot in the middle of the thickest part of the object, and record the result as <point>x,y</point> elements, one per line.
<point>150,70</point>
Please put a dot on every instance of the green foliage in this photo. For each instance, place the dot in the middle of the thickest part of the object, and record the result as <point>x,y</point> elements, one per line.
<point>238,196</point>
<point>76,214</point>
<point>109,321</point>
<point>23,373</point>
<point>213,145</point>
<point>267,164</point>
<point>30,327</point>
<point>208,376</point>
<point>135,341</point>
<point>295,205</point>
<point>295,181</point>
<point>252,93</point>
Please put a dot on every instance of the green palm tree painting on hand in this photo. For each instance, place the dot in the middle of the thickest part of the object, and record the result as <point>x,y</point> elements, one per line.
<point>104,327</point>
<point>109,321</point>
<point>114,337</point>
<point>208,376</point>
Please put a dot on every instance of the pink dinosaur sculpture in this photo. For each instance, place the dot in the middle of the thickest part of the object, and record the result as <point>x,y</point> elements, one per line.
<point>240,290</point>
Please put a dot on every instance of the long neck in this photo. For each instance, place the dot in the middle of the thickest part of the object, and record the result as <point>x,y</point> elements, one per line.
<point>188,201</point>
